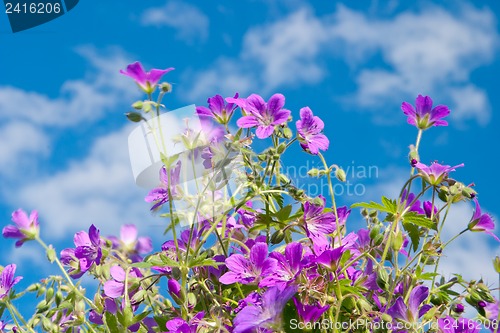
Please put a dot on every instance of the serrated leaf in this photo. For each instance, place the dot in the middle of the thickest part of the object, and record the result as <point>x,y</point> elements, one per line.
<point>142,264</point>
<point>203,263</point>
<point>283,214</point>
<point>111,322</point>
<point>390,204</point>
<point>371,205</point>
<point>414,234</point>
<point>418,219</point>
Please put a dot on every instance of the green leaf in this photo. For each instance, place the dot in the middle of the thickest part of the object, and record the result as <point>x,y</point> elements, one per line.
<point>112,323</point>
<point>283,214</point>
<point>389,206</point>
<point>202,263</point>
<point>414,234</point>
<point>418,219</point>
<point>142,264</point>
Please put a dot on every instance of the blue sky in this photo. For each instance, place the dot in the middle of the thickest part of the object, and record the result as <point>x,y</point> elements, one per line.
<point>62,100</point>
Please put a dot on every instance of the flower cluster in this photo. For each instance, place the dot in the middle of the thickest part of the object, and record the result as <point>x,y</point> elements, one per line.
<point>259,253</point>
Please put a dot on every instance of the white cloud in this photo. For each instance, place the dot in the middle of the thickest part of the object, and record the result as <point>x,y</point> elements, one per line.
<point>80,100</point>
<point>282,53</point>
<point>30,117</point>
<point>98,189</point>
<point>433,51</point>
<point>191,24</point>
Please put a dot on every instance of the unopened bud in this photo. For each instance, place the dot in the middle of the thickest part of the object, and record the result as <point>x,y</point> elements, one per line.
<point>459,308</point>
<point>138,105</point>
<point>340,174</point>
<point>313,172</point>
<point>281,148</point>
<point>166,87</point>
<point>496,264</point>
<point>134,117</point>
<point>375,231</point>
<point>469,192</point>
<point>287,133</point>
<point>397,242</point>
<point>387,318</point>
<point>277,237</point>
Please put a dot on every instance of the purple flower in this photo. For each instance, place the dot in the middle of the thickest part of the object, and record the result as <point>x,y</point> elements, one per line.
<point>425,116</point>
<point>261,114</point>
<point>179,325</point>
<point>310,313</point>
<point>116,287</point>
<point>309,128</point>
<point>147,81</point>
<point>317,223</point>
<point>130,244</point>
<point>460,325</point>
<point>413,311</point>
<point>159,195</point>
<point>87,252</point>
<point>482,222</point>
<point>491,312</point>
<point>409,199</point>
<point>250,270</point>
<point>218,109</point>
<point>288,268</point>
<point>429,209</point>
<point>330,257</point>
<point>435,173</point>
<point>266,314</point>
<point>26,228</point>
<point>7,280</point>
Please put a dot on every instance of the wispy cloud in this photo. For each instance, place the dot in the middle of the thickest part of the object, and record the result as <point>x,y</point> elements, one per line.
<point>29,116</point>
<point>433,51</point>
<point>190,23</point>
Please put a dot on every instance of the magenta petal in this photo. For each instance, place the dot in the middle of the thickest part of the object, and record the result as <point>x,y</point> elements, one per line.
<point>237,263</point>
<point>280,117</point>
<point>144,245</point>
<point>155,75</point>
<point>114,289</point>
<point>128,233</point>
<point>136,72</point>
<point>94,235</point>
<point>20,218</point>
<point>230,278</point>
<point>423,105</point>
<point>255,104</point>
<point>203,111</point>
<point>408,109</point>
<point>417,296</point>
<point>398,310</point>
<point>263,132</point>
<point>81,238</point>
<point>276,103</point>
<point>258,254</point>
<point>247,122</point>
<point>11,231</point>
<point>117,273</point>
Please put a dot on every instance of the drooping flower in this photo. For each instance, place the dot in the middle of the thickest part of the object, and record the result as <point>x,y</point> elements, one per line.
<point>309,128</point>
<point>423,115</point>
<point>482,222</point>
<point>147,81</point>
<point>87,252</point>
<point>309,313</point>
<point>289,266</point>
<point>435,173</point>
<point>25,228</point>
<point>318,224</point>
<point>130,244</point>
<point>218,109</point>
<point>7,280</point>
<point>160,194</point>
<point>179,325</point>
<point>265,315</point>
<point>409,200</point>
<point>249,270</point>
<point>413,311</point>
<point>461,325</point>
<point>429,209</point>
<point>116,288</point>
<point>261,114</point>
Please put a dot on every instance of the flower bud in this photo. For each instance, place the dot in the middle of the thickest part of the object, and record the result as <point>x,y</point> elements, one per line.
<point>496,264</point>
<point>166,87</point>
<point>138,105</point>
<point>284,179</point>
<point>277,236</point>
<point>459,308</point>
<point>287,133</point>
<point>469,192</point>
<point>378,240</point>
<point>340,174</point>
<point>281,148</point>
<point>413,156</point>
<point>386,317</point>
<point>375,231</point>
<point>397,242</point>
<point>134,117</point>
<point>313,172</point>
